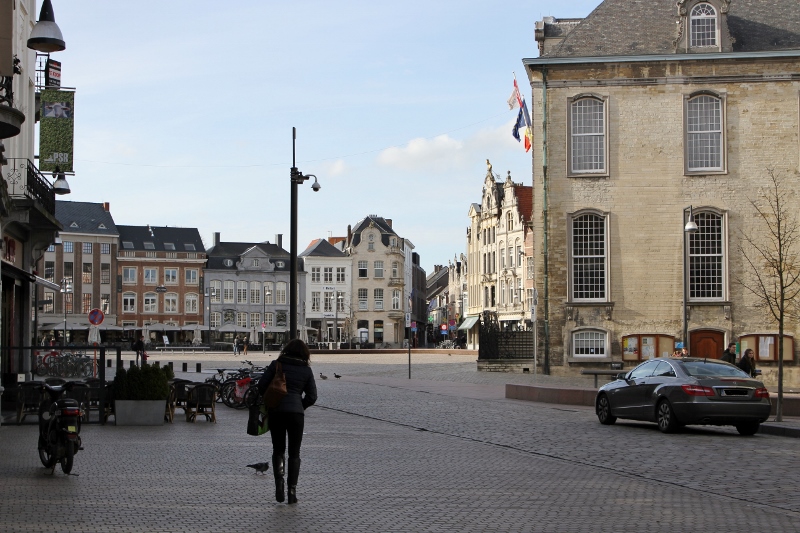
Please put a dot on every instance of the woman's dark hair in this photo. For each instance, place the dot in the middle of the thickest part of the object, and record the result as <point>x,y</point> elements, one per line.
<point>297,348</point>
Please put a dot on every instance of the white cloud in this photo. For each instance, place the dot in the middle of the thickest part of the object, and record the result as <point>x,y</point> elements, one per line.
<point>424,154</point>
<point>336,168</point>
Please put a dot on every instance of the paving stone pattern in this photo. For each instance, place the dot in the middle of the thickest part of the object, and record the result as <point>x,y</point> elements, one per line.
<point>441,452</point>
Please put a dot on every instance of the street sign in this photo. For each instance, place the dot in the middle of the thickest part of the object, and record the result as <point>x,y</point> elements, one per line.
<point>96,317</point>
<point>161,289</point>
<point>408,320</point>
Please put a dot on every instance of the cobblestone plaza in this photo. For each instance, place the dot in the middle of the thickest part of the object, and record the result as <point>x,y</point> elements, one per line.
<point>444,451</point>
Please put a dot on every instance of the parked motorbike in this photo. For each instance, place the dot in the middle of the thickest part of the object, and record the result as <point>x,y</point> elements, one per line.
<point>59,428</point>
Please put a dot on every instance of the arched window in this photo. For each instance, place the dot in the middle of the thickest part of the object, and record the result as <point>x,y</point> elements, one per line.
<point>129,302</point>
<point>150,302</point>
<point>589,343</point>
<point>703,23</point>
<point>171,302</point>
<point>588,258</point>
<point>707,270</point>
<point>190,303</point>
<point>704,133</point>
<point>587,136</point>
<point>215,292</point>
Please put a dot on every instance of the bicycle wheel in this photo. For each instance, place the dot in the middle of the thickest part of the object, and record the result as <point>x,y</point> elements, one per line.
<point>226,392</point>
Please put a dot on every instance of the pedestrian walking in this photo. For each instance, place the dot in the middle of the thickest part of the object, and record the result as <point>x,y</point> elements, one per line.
<point>245,344</point>
<point>138,347</point>
<point>288,417</point>
<point>729,354</point>
<point>235,345</point>
<point>748,362</point>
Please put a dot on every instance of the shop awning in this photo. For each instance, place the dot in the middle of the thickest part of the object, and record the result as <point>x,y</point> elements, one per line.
<point>468,323</point>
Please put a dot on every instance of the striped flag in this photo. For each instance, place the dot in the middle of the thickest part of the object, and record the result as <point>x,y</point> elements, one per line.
<point>523,118</point>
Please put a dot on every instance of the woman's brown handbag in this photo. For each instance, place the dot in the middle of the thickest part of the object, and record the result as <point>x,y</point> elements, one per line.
<point>276,389</point>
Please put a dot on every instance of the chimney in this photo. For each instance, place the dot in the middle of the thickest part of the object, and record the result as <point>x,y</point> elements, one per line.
<point>216,238</point>
<point>388,221</point>
<point>279,239</point>
<point>106,207</point>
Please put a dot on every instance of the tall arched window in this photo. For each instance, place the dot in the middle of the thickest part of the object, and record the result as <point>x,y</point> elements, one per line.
<point>703,23</point>
<point>588,261</point>
<point>704,133</point>
<point>707,257</point>
<point>587,136</point>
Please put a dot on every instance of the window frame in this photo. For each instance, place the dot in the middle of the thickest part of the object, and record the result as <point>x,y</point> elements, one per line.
<point>168,279</point>
<point>170,301</point>
<point>571,106</point>
<point>589,330</point>
<point>150,303</point>
<point>723,120</point>
<point>129,302</point>
<point>150,276</point>
<point>571,256</point>
<point>129,275</point>
<point>693,18</point>
<point>191,303</point>
<point>723,238</point>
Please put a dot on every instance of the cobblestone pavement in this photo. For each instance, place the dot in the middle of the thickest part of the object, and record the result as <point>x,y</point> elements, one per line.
<point>443,451</point>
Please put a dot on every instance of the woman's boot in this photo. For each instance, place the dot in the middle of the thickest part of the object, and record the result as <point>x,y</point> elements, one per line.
<point>294,473</point>
<point>278,472</point>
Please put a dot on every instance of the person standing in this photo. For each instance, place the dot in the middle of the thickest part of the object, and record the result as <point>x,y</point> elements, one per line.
<point>748,363</point>
<point>245,344</point>
<point>729,354</point>
<point>288,418</point>
<point>235,345</point>
<point>138,347</point>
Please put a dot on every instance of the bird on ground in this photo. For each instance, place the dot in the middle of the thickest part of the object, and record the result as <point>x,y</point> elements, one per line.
<point>259,467</point>
<point>337,376</point>
<point>322,376</point>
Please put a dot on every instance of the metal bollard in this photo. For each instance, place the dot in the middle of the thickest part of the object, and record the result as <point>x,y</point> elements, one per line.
<point>131,363</point>
<point>108,363</point>
<point>185,367</point>
<point>198,368</point>
<point>170,365</point>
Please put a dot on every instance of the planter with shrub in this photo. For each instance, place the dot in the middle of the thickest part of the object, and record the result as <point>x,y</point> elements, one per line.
<point>140,395</point>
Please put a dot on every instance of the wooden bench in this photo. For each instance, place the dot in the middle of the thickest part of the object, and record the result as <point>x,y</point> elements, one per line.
<point>600,372</point>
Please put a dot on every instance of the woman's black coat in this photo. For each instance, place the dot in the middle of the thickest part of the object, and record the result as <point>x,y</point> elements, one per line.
<point>300,385</point>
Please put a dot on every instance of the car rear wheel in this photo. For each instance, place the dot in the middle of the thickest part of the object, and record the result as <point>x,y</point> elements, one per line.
<point>665,416</point>
<point>603,409</point>
<point>748,428</point>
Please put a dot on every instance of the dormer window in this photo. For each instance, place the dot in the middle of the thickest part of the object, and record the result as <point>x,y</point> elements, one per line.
<point>703,26</point>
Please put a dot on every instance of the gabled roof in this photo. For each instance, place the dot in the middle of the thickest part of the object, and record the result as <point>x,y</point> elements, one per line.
<point>383,226</point>
<point>524,195</point>
<point>85,217</point>
<point>235,250</point>
<point>648,27</point>
<point>160,238</point>
<point>321,248</point>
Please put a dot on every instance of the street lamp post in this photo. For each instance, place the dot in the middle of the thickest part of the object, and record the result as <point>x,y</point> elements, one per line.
<point>297,178</point>
<point>689,227</point>
<point>336,337</point>
<point>66,288</point>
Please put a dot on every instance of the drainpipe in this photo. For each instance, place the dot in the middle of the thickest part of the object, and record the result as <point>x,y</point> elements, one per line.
<point>546,223</point>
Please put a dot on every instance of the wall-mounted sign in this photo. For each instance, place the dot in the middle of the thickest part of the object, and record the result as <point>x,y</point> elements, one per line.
<point>56,131</point>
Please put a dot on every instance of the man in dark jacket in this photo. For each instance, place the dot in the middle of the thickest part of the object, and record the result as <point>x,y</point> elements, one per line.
<point>288,417</point>
<point>729,354</point>
<point>138,347</point>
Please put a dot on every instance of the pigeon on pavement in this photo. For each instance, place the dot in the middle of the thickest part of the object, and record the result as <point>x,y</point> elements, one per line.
<point>323,376</point>
<point>337,376</point>
<point>260,467</point>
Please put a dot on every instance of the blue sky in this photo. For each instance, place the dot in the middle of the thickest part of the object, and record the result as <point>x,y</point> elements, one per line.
<point>184,111</point>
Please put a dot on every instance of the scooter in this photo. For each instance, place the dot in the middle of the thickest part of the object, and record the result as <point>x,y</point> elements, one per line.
<point>59,428</point>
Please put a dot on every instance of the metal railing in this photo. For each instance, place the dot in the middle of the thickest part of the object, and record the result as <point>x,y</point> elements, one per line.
<point>24,179</point>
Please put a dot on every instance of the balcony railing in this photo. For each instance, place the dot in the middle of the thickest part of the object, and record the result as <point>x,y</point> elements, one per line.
<point>25,180</point>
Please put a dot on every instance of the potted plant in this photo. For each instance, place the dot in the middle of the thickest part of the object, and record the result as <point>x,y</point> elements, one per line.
<point>140,395</point>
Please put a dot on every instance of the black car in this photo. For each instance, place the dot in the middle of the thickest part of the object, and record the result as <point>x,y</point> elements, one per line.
<point>674,392</point>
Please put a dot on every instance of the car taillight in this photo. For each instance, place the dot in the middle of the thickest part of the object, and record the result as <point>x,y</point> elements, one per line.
<point>72,411</point>
<point>761,393</point>
<point>698,390</point>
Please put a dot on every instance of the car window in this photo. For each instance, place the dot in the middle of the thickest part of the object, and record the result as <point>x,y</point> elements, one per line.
<point>644,370</point>
<point>712,368</point>
<point>663,370</point>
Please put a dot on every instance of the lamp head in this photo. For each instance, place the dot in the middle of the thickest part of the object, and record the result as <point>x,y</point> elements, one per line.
<point>60,185</point>
<point>316,186</point>
<point>46,35</point>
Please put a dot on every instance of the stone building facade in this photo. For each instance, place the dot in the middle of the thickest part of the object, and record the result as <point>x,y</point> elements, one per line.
<point>646,115</point>
<point>496,269</point>
<point>328,296</point>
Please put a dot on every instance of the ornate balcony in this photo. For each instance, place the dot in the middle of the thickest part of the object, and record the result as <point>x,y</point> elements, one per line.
<point>26,181</point>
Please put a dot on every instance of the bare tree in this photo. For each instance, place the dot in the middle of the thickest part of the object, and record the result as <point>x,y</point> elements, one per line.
<point>771,253</point>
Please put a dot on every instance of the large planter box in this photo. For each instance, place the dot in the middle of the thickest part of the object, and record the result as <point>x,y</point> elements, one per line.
<point>139,412</point>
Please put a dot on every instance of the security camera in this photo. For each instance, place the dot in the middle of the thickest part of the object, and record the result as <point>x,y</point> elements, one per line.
<point>316,186</point>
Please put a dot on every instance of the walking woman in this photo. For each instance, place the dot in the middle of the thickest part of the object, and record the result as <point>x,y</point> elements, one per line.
<point>288,417</point>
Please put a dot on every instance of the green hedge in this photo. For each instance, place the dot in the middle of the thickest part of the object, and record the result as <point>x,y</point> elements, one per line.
<point>148,382</point>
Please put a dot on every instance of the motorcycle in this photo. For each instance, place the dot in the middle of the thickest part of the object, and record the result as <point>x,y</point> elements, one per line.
<point>59,428</point>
